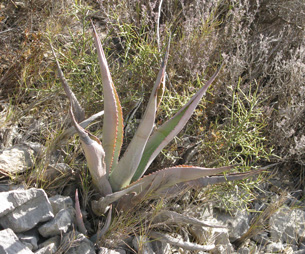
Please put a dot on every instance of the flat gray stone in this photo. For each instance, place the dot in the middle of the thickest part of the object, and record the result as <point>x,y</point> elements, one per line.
<point>59,225</point>
<point>21,210</point>
<point>10,244</point>
<point>287,225</point>
<point>274,247</point>
<point>53,240</point>
<point>59,202</point>
<point>30,239</point>
<point>104,250</point>
<point>299,226</point>
<point>237,224</point>
<point>13,199</point>
<point>50,246</point>
<point>160,247</point>
<point>49,249</point>
<point>16,159</point>
<point>221,236</point>
<point>81,244</point>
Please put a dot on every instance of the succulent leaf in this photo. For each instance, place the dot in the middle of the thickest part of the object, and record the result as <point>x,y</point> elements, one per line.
<point>79,111</point>
<point>100,207</point>
<point>95,155</point>
<point>166,132</point>
<point>79,216</point>
<point>62,138</point>
<point>159,181</point>
<point>150,185</point>
<point>113,118</point>
<point>156,183</point>
<point>211,180</point>
<point>106,225</point>
<point>171,217</point>
<point>179,243</point>
<point>121,176</point>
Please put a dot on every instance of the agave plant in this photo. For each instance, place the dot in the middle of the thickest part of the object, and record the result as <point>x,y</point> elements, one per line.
<point>120,180</point>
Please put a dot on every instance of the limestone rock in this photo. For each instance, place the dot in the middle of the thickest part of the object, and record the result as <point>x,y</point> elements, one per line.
<point>299,226</point>
<point>142,245</point>
<point>60,224</point>
<point>59,202</point>
<point>16,159</point>
<point>287,225</point>
<point>21,210</point>
<point>109,251</point>
<point>160,247</point>
<point>52,243</point>
<point>10,244</point>
<point>81,244</point>
<point>237,224</point>
<point>220,249</point>
<point>54,239</point>
<point>274,247</point>
<point>221,236</point>
<point>30,239</point>
<point>49,249</point>
<point>289,250</point>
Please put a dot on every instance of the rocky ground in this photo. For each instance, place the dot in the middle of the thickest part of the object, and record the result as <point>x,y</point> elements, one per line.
<point>32,222</point>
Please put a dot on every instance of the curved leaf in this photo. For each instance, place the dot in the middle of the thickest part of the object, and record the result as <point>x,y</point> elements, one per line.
<point>100,207</point>
<point>95,155</point>
<point>166,132</point>
<point>214,179</point>
<point>62,138</point>
<point>180,243</point>
<point>79,111</point>
<point>122,174</point>
<point>79,216</point>
<point>154,184</point>
<point>106,225</point>
<point>113,118</point>
<point>171,217</point>
<point>158,182</point>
